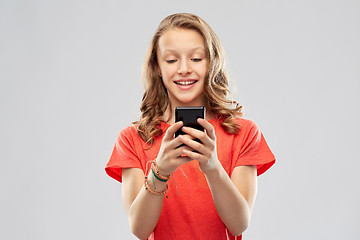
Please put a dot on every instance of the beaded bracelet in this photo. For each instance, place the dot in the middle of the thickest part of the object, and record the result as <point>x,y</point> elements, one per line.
<point>161,180</point>
<point>157,173</point>
<point>152,191</point>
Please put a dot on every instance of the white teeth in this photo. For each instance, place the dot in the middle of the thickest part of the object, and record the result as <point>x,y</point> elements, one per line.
<point>185,82</point>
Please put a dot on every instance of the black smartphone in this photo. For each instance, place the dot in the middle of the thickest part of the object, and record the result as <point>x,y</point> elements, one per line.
<point>189,116</point>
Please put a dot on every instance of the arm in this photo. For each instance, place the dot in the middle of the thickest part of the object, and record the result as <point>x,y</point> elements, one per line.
<point>142,207</point>
<point>233,198</point>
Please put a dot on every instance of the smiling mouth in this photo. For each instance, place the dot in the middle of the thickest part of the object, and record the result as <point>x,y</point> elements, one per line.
<point>185,83</point>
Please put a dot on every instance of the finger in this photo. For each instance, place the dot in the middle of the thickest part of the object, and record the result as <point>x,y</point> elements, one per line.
<point>180,156</point>
<point>175,146</point>
<point>176,143</point>
<point>186,136</point>
<point>193,145</point>
<point>195,133</point>
<point>208,127</point>
<point>171,131</point>
<point>193,155</point>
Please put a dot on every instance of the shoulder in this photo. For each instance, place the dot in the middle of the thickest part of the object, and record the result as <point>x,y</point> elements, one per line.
<point>245,125</point>
<point>131,130</point>
<point>129,134</point>
<point>248,129</point>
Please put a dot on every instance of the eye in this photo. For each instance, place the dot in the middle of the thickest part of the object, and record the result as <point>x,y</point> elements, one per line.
<point>196,59</point>
<point>171,61</point>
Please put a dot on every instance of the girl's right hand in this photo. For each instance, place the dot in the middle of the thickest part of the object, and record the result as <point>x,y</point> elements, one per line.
<point>170,155</point>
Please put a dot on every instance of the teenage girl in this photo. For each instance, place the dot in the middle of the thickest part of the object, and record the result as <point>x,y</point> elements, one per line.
<point>169,190</point>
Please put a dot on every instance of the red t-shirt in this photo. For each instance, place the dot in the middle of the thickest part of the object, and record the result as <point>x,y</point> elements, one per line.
<point>188,211</point>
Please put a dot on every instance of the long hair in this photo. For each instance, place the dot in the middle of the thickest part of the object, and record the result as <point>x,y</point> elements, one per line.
<point>155,99</point>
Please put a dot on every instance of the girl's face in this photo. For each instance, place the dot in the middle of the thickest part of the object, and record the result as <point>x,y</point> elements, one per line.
<point>183,65</point>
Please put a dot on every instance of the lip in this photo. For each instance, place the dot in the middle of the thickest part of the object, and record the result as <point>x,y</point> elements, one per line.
<point>186,87</point>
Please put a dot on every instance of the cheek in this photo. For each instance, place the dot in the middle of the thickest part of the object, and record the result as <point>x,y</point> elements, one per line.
<point>168,72</point>
<point>203,69</point>
<point>166,80</point>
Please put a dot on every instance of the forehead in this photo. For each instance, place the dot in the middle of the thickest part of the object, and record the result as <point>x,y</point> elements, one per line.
<point>181,40</point>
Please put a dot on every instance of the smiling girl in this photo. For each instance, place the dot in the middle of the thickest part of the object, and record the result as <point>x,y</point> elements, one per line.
<point>169,190</point>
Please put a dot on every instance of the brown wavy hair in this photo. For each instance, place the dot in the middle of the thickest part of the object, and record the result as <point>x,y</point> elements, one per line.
<point>155,100</point>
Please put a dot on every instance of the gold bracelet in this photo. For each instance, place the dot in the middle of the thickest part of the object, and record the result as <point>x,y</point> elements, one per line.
<point>152,191</point>
<point>157,173</point>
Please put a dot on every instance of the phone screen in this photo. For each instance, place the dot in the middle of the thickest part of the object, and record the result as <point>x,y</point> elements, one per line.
<point>189,116</point>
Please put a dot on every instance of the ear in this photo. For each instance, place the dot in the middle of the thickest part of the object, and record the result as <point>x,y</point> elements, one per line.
<point>157,69</point>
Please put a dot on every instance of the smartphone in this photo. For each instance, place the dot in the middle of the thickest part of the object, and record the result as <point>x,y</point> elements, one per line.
<point>189,116</point>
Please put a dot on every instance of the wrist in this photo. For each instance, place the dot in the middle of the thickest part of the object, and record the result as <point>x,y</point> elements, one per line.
<point>213,171</point>
<point>152,189</point>
<point>160,172</point>
<point>154,183</point>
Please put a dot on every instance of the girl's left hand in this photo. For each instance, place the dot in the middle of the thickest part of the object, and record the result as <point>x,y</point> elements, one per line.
<point>206,150</point>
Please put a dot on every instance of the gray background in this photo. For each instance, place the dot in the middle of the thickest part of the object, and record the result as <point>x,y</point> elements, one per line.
<point>70,81</point>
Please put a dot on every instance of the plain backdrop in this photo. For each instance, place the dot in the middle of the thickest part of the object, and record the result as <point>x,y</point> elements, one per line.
<point>70,76</point>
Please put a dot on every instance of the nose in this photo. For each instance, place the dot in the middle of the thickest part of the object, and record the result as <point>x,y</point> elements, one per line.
<point>184,67</point>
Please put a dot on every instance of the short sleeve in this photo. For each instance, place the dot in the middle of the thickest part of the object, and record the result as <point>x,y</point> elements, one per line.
<point>255,150</point>
<point>124,154</point>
